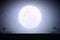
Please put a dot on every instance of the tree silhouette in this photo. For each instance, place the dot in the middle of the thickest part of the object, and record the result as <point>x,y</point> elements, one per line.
<point>56,29</point>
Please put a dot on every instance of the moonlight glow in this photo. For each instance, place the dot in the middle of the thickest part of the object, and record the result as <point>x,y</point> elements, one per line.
<point>29,17</point>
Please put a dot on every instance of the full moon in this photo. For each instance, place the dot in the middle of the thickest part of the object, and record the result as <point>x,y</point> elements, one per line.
<point>29,17</point>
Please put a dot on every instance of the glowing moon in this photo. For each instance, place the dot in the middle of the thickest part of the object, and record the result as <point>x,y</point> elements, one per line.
<point>29,17</point>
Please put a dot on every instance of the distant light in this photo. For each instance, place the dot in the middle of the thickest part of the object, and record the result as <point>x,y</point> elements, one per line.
<point>29,17</point>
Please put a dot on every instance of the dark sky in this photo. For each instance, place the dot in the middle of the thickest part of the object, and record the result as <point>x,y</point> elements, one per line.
<point>7,6</point>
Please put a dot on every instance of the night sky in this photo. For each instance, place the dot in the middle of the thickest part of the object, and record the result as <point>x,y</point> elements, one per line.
<point>9,10</point>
